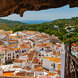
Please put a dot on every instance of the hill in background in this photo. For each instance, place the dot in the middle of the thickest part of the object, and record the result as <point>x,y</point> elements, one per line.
<point>65,29</point>
<point>9,24</point>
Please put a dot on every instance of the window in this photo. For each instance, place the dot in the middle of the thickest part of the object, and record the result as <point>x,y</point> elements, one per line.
<point>17,56</point>
<point>5,58</point>
<point>13,53</point>
<point>13,56</point>
<point>10,57</point>
<point>8,54</point>
<point>40,73</point>
<point>53,65</point>
<point>23,51</point>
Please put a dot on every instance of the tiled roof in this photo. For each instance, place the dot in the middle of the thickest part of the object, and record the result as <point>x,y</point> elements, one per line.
<point>9,49</point>
<point>20,74</point>
<point>24,60</point>
<point>74,44</point>
<point>54,59</point>
<point>58,46</point>
<point>17,61</point>
<point>59,66</point>
<point>2,48</point>
<point>16,67</point>
<point>34,52</point>
<point>51,74</point>
<point>17,49</point>
<point>24,54</point>
<point>35,60</point>
<point>12,40</point>
<point>41,45</point>
<point>30,56</point>
<point>8,74</point>
<point>49,44</point>
<point>56,53</point>
<point>12,45</point>
<point>24,46</point>
<point>12,36</point>
<point>39,69</point>
<point>1,43</point>
<point>26,68</point>
<point>44,76</point>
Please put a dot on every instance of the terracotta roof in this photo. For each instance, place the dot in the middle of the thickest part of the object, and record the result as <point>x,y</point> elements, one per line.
<point>49,44</point>
<point>9,49</point>
<point>2,52</point>
<point>41,45</point>
<point>34,52</point>
<point>30,56</point>
<point>12,40</point>
<point>31,32</point>
<point>41,35</point>
<point>56,53</point>
<point>35,60</point>
<point>8,74</point>
<point>38,65</point>
<point>51,74</point>
<point>56,71</point>
<point>12,36</point>
<point>1,43</point>
<point>54,59</point>
<point>27,68</point>
<point>20,74</point>
<point>17,61</point>
<point>24,60</point>
<point>12,45</point>
<point>16,67</point>
<point>24,54</point>
<point>17,49</point>
<point>31,49</point>
<point>39,69</point>
<point>2,48</point>
<point>58,46</point>
<point>24,46</point>
<point>44,77</point>
<point>74,44</point>
<point>59,66</point>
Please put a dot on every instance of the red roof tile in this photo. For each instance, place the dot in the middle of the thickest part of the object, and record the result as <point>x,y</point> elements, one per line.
<point>44,77</point>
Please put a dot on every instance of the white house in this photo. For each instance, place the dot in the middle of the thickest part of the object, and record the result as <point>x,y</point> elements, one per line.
<point>38,71</point>
<point>1,71</point>
<point>51,63</point>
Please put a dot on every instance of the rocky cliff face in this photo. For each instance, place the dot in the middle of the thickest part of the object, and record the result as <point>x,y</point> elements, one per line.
<point>8,7</point>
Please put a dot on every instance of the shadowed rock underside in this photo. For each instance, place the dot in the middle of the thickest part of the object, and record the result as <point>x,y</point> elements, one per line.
<point>8,7</point>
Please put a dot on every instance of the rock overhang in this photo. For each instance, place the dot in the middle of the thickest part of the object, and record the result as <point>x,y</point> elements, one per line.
<point>8,7</point>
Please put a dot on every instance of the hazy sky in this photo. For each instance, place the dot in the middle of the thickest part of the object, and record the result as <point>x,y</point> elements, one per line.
<point>50,14</point>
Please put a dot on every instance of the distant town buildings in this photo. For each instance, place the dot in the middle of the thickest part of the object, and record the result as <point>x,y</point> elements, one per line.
<point>30,53</point>
<point>56,27</point>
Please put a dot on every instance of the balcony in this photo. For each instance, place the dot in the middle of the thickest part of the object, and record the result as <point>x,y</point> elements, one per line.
<point>71,62</point>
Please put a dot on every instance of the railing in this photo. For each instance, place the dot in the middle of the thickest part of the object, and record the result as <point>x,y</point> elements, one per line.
<point>71,62</point>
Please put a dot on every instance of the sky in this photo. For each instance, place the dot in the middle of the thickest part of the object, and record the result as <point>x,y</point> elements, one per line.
<point>49,14</point>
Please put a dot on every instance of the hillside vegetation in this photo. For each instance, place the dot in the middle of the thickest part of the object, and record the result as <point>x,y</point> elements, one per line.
<point>9,24</point>
<point>63,28</point>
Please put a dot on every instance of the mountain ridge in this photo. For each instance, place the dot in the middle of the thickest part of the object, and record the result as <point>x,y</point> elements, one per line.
<point>9,24</point>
